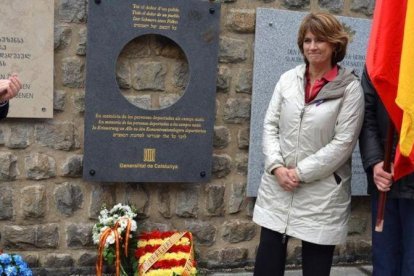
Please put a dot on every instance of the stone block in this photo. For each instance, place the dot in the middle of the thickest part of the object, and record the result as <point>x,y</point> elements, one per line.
<point>55,260</point>
<point>203,232</point>
<point>59,99</point>
<point>79,101</point>
<point>334,6</point>
<point>72,11</point>
<point>47,236</point>
<point>296,4</point>
<point>73,72</point>
<point>232,50</point>
<point>222,164</point>
<point>215,199</point>
<point>81,49</point>
<point>20,135</point>
<point>40,166</point>
<point>19,237</point>
<point>148,226</point>
<point>227,258</point>
<point>241,20</point>
<point>164,201</point>
<point>6,203</point>
<point>187,202</point>
<point>79,235</point>
<point>245,81</point>
<point>243,139</point>
<point>31,237</point>
<point>237,110</point>
<point>62,36</point>
<point>236,231</point>
<point>137,195</point>
<point>33,201</point>
<point>60,136</point>
<point>181,74</point>
<point>149,76</point>
<point>68,198</point>
<point>73,166</point>
<point>8,166</point>
<point>223,79</point>
<point>101,196</point>
<point>167,100</point>
<point>221,137</point>
<point>237,196</point>
<point>363,6</point>
<point>123,74</point>
<point>87,259</point>
<point>241,162</point>
<point>143,101</point>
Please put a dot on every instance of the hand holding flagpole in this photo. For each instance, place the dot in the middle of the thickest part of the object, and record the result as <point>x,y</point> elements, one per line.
<point>379,224</point>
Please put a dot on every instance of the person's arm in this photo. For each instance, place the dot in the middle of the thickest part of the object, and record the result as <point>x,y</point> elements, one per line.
<point>328,159</point>
<point>271,144</point>
<point>371,148</point>
<point>274,163</point>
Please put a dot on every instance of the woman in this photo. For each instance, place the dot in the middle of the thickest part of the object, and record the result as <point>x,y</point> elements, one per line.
<point>310,130</point>
<point>8,90</point>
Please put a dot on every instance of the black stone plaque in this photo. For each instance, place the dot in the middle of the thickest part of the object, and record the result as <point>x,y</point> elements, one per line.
<point>125,143</point>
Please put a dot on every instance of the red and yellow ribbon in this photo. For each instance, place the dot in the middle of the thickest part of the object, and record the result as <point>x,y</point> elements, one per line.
<point>102,241</point>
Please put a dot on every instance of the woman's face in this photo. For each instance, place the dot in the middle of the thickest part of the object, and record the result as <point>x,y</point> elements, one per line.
<point>317,52</point>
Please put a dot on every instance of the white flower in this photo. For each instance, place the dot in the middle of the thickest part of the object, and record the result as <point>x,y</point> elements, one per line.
<point>96,237</point>
<point>107,221</point>
<point>133,226</point>
<point>110,239</point>
<point>123,222</point>
<point>120,214</point>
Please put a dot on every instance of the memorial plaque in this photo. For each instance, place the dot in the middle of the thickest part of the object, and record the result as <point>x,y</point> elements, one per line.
<point>129,143</point>
<point>276,52</point>
<point>26,48</point>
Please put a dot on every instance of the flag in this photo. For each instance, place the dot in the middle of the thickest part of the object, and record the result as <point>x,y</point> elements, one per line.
<point>391,69</point>
<point>405,94</point>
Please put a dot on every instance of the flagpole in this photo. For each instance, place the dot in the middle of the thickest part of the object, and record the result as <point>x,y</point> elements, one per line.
<point>379,225</point>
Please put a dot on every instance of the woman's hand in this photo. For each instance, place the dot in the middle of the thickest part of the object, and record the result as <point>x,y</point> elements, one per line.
<point>287,178</point>
<point>382,179</point>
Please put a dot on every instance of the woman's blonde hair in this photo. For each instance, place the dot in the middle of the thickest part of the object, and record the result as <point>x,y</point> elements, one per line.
<point>326,28</point>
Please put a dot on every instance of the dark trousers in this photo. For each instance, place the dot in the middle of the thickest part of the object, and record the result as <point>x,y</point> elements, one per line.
<point>393,248</point>
<point>271,256</point>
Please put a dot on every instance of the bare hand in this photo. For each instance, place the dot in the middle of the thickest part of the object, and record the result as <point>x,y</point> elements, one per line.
<point>286,178</point>
<point>382,179</point>
<point>9,88</point>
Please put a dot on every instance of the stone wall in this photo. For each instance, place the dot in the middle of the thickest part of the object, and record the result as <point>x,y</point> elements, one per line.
<point>47,211</point>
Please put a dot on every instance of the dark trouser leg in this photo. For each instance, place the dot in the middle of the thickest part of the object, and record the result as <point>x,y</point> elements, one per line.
<point>271,254</point>
<point>386,245</point>
<point>406,208</point>
<point>316,259</point>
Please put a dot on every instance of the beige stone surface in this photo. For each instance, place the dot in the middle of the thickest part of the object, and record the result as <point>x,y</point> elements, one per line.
<point>26,42</point>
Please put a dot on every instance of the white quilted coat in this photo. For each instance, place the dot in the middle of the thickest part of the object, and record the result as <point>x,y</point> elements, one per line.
<point>317,139</point>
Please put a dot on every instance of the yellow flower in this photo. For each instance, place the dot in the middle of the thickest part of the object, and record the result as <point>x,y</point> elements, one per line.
<point>166,256</point>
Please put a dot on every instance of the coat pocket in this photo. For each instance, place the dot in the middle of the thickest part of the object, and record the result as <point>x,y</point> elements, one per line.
<point>338,179</point>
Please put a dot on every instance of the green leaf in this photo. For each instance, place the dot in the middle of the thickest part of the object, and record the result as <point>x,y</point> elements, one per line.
<point>109,255</point>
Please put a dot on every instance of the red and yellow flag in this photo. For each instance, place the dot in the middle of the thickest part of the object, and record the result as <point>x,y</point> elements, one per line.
<point>390,65</point>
